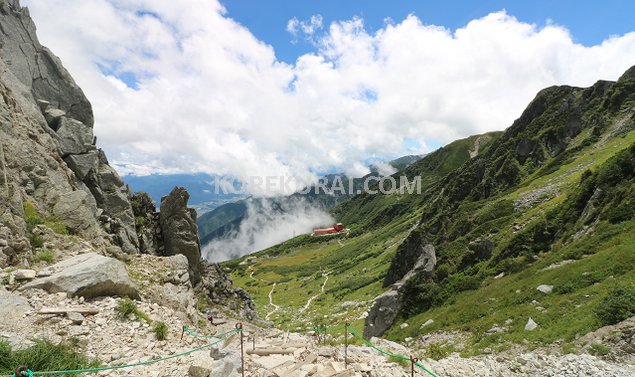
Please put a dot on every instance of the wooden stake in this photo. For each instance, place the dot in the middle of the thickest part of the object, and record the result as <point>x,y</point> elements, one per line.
<point>413,361</point>
<point>4,168</point>
<point>239,326</point>
<point>346,345</point>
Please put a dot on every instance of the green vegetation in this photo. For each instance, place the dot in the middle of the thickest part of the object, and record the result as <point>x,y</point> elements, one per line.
<point>549,201</point>
<point>160,331</point>
<point>47,256</point>
<point>616,306</point>
<point>43,356</point>
<point>400,361</point>
<point>438,351</point>
<point>598,349</point>
<point>33,218</point>
<point>126,307</point>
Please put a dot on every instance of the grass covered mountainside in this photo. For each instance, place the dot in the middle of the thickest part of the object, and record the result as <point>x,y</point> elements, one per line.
<point>549,201</point>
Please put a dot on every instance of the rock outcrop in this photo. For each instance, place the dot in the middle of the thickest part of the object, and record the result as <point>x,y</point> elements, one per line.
<point>87,275</point>
<point>179,230</point>
<point>147,224</point>
<point>386,306</point>
<point>383,313</point>
<point>218,286</point>
<point>48,155</point>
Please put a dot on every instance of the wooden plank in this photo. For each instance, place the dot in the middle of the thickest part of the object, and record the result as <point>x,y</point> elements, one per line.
<point>271,351</point>
<point>84,311</point>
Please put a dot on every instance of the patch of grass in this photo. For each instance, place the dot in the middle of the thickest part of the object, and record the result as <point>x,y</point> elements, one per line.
<point>36,241</point>
<point>598,349</point>
<point>569,348</point>
<point>160,331</point>
<point>31,216</point>
<point>438,351</point>
<point>43,356</point>
<point>400,361</point>
<point>127,307</point>
<point>47,256</point>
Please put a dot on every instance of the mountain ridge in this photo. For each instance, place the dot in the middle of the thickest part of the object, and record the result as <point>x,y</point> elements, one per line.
<point>527,200</point>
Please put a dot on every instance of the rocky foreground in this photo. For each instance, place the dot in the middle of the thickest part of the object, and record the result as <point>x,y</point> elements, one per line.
<point>45,304</point>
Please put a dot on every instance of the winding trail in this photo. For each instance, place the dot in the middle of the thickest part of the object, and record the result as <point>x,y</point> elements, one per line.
<point>326,276</point>
<point>275,307</point>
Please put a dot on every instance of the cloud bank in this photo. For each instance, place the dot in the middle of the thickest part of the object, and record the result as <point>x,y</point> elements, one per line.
<point>268,222</point>
<point>184,88</point>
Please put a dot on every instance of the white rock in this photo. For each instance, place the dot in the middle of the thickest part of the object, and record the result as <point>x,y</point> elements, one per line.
<point>545,288</point>
<point>403,325</point>
<point>531,325</point>
<point>24,274</point>
<point>427,323</point>
<point>201,367</point>
<point>76,318</point>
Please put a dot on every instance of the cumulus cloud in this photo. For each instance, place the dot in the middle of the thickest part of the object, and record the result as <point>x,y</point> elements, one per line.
<point>186,88</point>
<point>306,28</point>
<point>268,222</point>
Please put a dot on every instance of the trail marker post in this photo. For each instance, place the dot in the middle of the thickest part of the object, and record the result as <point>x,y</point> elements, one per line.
<point>239,327</point>
<point>346,345</point>
<point>413,361</point>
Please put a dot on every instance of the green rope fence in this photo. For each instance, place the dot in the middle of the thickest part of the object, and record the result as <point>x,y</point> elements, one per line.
<point>353,331</point>
<point>190,331</point>
<point>220,337</point>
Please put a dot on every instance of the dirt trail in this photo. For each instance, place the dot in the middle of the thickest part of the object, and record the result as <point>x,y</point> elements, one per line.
<point>308,303</point>
<point>275,307</point>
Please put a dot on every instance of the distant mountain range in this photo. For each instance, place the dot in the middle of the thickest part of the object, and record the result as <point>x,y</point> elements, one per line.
<point>226,220</point>
<point>199,186</point>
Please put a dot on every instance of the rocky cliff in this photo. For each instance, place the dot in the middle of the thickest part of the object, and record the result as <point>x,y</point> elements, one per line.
<point>48,155</point>
<point>60,196</point>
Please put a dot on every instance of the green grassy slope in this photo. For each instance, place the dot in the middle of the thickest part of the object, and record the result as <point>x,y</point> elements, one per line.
<point>558,185</point>
<point>355,264</point>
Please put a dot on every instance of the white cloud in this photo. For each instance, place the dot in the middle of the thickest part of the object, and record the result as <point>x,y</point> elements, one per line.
<point>267,223</point>
<point>213,98</point>
<point>307,28</point>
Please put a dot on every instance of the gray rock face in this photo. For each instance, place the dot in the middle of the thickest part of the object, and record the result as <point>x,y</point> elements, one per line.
<point>179,229</point>
<point>45,136</point>
<point>383,313</point>
<point>77,211</point>
<point>88,275</point>
<point>83,164</point>
<point>36,67</point>
<point>217,285</point>
<point>148,229</point>
<point>425,264</point>
<point>386,306</point>
<point>74,136</point>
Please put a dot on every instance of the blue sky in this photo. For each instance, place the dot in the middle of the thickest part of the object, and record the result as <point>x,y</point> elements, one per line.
<point>590,22</point>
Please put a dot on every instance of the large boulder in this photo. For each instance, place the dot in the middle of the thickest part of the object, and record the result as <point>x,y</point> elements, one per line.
<point>74,136</point>
<point>179,230</point>
<point>82,164</point>
<point>383,313</point>
<point>88,275</point>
